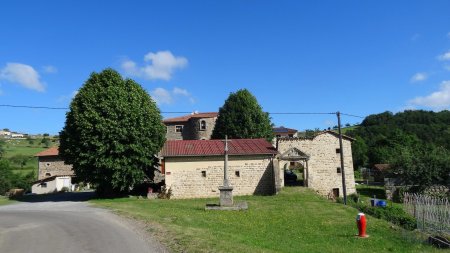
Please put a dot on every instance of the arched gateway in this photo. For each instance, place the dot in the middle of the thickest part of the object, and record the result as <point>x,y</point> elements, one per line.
<point>320,157</point>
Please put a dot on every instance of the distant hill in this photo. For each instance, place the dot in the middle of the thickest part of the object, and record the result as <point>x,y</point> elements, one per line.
<point>379,135</point>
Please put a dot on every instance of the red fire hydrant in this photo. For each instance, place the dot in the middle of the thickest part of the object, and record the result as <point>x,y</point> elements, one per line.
<point>361,223</point>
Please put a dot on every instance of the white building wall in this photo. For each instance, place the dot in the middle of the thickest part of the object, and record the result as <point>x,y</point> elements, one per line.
<point>185,178</point>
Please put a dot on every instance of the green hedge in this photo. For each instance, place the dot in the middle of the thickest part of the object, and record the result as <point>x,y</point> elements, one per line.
<point>395,215</point>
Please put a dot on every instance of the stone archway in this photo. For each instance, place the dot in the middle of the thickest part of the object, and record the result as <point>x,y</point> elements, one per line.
<point>294,157</point>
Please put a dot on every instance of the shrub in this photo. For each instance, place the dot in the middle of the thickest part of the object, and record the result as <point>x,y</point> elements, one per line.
<point>393,214</point>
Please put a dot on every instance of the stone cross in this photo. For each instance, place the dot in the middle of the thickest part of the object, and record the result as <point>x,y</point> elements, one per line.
<point>225,165</point>
<point>226,191</point>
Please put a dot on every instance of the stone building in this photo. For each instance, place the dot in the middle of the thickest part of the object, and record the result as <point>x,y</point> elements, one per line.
<point>53,174</point>
<point>195,126</point>
<point>320,158</point>
<point>195,168</point>
<point>282,132</point>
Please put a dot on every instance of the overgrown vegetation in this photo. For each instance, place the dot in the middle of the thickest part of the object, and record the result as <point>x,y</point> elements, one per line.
<point>295,220</point>
<point>415,143</point>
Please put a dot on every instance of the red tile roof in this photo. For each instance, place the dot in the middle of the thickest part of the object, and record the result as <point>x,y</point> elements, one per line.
<point>53,151</point>
<point>216,147</point>
<point>188,117</point>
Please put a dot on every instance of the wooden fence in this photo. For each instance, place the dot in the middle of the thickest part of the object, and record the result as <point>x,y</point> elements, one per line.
<point>432,213</point>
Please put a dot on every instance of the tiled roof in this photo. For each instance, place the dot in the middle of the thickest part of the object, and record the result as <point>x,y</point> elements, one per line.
<point>195,115</point>
<point>382,166</point>
<point>53,151</point>
<point>216,147</point>
<point>283,129</point>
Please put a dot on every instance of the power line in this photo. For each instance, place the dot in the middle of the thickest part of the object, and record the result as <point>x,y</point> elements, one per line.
<point>272,113</point>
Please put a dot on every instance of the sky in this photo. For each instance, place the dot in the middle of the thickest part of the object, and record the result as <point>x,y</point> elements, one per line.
<point>356,57</point>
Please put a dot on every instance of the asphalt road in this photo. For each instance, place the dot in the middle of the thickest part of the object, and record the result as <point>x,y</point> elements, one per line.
<point>69,224</point>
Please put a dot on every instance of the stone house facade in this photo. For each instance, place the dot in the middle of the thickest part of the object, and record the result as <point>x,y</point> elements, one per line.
<point>53,173</point>
<point>195,126</point>
<point>320,157</point>
<point>195,168</point>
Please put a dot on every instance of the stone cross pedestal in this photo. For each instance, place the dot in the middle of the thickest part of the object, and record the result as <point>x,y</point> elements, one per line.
<point>226,195</point>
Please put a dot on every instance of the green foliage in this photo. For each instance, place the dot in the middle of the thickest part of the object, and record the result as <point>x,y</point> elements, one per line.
<point>112,132</point>
<point>242,117</point>
<point>45,142</point>
<point>393,214</point>
<point>9,180</point>
<point>2,148</point>
<point>422,166</point>
<point>5,177</point>
<point>19,160</point>
<point>417,142</point>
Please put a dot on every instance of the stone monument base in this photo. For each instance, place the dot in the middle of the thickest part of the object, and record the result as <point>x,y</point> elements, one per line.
<point>226,195</point>
<point>238,207</point>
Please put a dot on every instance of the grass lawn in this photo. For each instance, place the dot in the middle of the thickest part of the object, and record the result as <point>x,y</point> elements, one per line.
<point>5,201</point>
<point>296,220</point>
<point>14,147</point>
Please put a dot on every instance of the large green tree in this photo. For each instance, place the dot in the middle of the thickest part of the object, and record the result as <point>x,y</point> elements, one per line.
<point>112,133</point>
<point>242,117</point>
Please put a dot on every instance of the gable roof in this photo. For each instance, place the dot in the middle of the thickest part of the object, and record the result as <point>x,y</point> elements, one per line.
<point>382,166</point>
<point>216,147</point>
<point>53,151</point>
<point>346,137</point>
<point>283,130</point>
<point>186,118</point>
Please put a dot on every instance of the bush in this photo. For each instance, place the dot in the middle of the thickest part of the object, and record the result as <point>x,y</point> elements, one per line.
<point>395,215</point>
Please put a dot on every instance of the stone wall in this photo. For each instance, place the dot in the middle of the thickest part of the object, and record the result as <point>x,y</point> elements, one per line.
<point>323,162</point>
<point>171,133</point>
<point>199,177</point>
<point>191,129</point>
<point>53,165</point>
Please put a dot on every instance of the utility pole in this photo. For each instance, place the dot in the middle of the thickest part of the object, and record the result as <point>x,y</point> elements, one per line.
<point>344,188</point>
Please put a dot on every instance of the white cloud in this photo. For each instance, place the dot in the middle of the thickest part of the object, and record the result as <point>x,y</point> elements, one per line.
<point>444,57</point>
<point>437,100</point>
<point>448,34</point>
<point>162,96</point>
<point>447,67</point>
<point>415,37</point>
<point>50,69</point>
<point>67,98</point>
<point>421,76</point>
<point>179,91</point>
<point>160,65</point>
<point>22,74</point>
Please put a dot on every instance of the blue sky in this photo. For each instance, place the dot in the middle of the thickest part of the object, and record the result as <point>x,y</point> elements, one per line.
<point>358,57</point>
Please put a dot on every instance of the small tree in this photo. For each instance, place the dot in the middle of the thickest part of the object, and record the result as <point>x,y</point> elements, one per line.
<point>112,133</point>
<point>242,117</point>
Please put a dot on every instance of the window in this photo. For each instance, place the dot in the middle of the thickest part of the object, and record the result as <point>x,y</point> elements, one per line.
<point>47,164</point>
<point>178,129</point>
<point>338,151</point>
<point>202,125</point>
<point>338,169</point>
<point>292,163</point>
<point>203,173</point>
<point>237,173</point>
<point>291,135</point>
<point>48,174</point>
<point>43,185</point>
